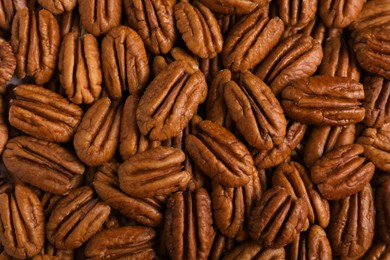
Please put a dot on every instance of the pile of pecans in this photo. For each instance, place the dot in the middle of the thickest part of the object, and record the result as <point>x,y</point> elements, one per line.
<point>205,129</point>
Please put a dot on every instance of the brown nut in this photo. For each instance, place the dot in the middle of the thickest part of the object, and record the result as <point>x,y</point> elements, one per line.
<point>3,126</point>
<point>52,253</point>
<point>339,14</point>
<point>189,225</point>
<point>154,172</point>
<point>49,201</point>
<point>352,224</point>
<point>35,39</point>
<point>323,139</point>
<point>146,211</point>
<point>378,251</point>
<point>76,218</point>
<point>250,40</point>
<point>170,101</point>
<point>297,13</point>
<point>8,9</point>
<point>220,155</point>
<point>7,63</point>
<point>99,16</point>
<point>251,250</point>
<point>199,28</point>
<point>221,245</point>
<point>79,68</point>
<point>125,66</point>
<point>324,100</point>
<point>375,13</point>
<point>22,223</point>
<point>256,111</point>
<point>58,6</point>
<point>96,138</point>
<point>69,22</point>
<point>341,172</point>
<point>43,114</point>
<point>234,6</point>
<point>376,101</point>
<point>131,242</point>
<point>296,57</point>
<point>383,211</point>
<point>43,164</point>
<point>277,218</point>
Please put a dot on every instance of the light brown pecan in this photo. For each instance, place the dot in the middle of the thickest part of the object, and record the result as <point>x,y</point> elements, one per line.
<point>323,139</point>
<point>378,251</point>
<point>250,40</point>
<point>154,22</point>
<point>339,14</point>
<point>7,63</point>
<point>22,223</point>
<point>324,100</point>
<point>132,242</point>
<point>8,9</point>
<point>96,138</point>
<point>189,225</point>
<point>99,16</point>
<point>220,155</point>
<point>43,113</point>
<point>277,218</point>
<point>58,6</point>
<point>49,201</point>
<point>297,56</point>
<point>199,29</point>
<point>76,218</point>
<point>43,164</point>
<point>79,68</point>
<point>35,40</point>
<point>170,101</point>
<point>256,111</point>
<point>251,250</point>
<point>297,13</point>
<point>234,6</point>
<point>383,211</point>
<point>69,22</point>
<point>125,63</point>
<point>146,211</point>
<point>374,13</point>
<point>352,224</point>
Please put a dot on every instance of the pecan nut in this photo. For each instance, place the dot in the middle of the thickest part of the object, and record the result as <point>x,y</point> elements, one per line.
<point>52,253</point>
<point>8,9</point>
<point>251,250</point>
<point>58,6</point>
<point>339,14</point>
<point>7,63</point>
<point>383,211</point>
<point>3,126</point>
<point>378,251</point>
<point>234,6</point>
<point>297,13</point>
<point>374,14</point>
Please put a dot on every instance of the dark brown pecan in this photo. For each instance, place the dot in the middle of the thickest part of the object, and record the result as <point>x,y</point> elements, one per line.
<point>234,6</point>
<point>251,250</point>
<point>383,211</point>
<point>378,251</point>
<point>372,50</point>
<point>256,111</point>
<point>189,225</point>
<point>51,253</point>
<point>277,218</point>
<point>7,63</point>
<point>49,201</point>
<point>125,63</point>
<point>297,13</point>
<point>341,172</point>
<point>376,100</point>
<point>154,22</point>
<point>22,223</point>
<point>8,9</point>
<point>269,158</point>
<point>3,125</point>
<point>316,29</point>
<point>58,6</point>
<point>170,101</point>
<point>375,13</point>
<point>99,16</point>
<point>352,224</point>
<point>97,136</point>
<point>296,180</point>
<point>339,14</point>
<point>5,186</point>
<point>199,29</point>
<point>35,39</point>
<point>43,164</point>
<point>132,242</point>
<point>146,211</point>
<point>250,40</point>
<point>76,218</point>
<point>220,155</point>
<point>312,244</point>
<point>79,68</point>
<point>221,245</point>
<point>297,56</point>
<point>323,139</point>
<point>324,100</point>
<point>376,143</point>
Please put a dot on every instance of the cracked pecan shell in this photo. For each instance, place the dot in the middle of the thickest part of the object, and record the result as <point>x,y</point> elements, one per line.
<point>339,14</point>
<point>234,6</point>
<point>383,211</point>
<point>251,251</point>
<point>7,63</point>
<point>58,6</point>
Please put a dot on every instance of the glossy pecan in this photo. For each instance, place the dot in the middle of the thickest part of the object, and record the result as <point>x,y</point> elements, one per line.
<point>374,13</point>
<point>76,218</point>
<point>383,211</point>
<point>58,6</point>
<point>96,138</point>
<point>79,68</point>
<point>296,57</point>
<point>189,225</point>
<point>43,164</point>
<point>234,6</point>
<point>324,100</point>
<point>170,101</point>
<point>378,251</point>
<point>7,63</point>
<point>99,16</point>
<point>132,242</point>
<point>277,218</point>
<point>251,250</point>
<point>69,22</point>
<point>125,66</point>
<point>22,223</point>
<point>352,223</point>
<point>297,13</point>
<point>316,29</point>
<point>250,40</point>
<point>256,111</point>
<point>339,14</point>
<point>323,139</point>
<point>8,9</point>
<point>220,155</point>
<point>35,40</point>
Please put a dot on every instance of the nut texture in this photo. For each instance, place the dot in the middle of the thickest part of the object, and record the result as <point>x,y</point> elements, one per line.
<point>7,63</point>
<point>58,6</point>
<point>339,14</point>
<point>383,211</point>
<point>251,250</point>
